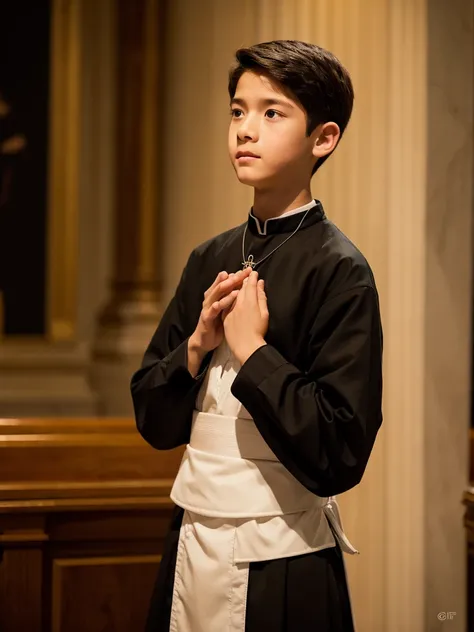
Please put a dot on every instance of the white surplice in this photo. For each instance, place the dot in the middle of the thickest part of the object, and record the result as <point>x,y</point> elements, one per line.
<point>241,505</point>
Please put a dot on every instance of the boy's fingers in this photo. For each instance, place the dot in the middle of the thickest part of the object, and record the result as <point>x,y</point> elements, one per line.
<point>209,314</point>
<point>222,276</point>
<point>249,286</point>
<point>229,302</point>
<point>217,306</point>
<point>224,284</point>
<point>228,280</point>
<point>229,299</point>
<point>219,289</point>
<point>233,282</point>
<point>262,298</point>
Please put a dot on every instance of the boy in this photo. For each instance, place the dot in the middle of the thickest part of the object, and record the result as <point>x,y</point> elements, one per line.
<point>271,374</point>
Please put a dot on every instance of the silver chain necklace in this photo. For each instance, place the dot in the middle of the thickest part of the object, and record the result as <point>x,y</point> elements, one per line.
<point>250,263</point>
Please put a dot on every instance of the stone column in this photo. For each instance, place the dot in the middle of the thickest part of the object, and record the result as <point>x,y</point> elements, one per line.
<point>48,375</point>
<point>133,310</point>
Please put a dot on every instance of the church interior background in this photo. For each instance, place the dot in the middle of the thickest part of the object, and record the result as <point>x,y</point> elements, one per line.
<point>113,166</point>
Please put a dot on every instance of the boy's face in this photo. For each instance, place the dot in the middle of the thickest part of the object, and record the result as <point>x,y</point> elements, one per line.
<point>271,125</point>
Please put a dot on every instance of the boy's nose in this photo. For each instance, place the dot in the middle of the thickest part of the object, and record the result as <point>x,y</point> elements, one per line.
<point>247,131</point>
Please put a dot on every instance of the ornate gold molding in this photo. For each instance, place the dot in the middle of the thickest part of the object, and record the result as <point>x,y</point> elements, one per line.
<point>63,173</point>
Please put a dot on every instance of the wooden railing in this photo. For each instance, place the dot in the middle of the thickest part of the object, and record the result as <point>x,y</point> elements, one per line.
<point>84,508</point>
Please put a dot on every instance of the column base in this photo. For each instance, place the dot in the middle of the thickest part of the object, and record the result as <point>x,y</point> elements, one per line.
<point>45,379</point>
<point>124,332</point>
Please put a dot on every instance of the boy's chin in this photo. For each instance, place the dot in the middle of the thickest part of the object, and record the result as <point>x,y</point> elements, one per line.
<point>252,180</point>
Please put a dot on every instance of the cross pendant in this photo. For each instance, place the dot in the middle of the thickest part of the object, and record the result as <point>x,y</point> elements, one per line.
<point>249,263</point>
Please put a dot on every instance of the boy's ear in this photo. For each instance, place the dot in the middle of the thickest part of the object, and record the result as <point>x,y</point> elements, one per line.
<point>326,137</point>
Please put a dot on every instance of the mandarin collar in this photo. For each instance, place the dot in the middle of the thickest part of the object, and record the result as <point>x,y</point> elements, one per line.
<point>286,223</point>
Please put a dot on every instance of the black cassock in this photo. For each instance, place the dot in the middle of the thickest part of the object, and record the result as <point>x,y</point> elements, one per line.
<point>314,392</point>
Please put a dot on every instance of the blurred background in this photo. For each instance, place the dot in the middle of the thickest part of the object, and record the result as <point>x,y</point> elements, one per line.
<point>113,167</point>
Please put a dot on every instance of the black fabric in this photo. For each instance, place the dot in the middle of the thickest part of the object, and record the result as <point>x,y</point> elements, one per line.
<point>304,593</point>
<point>315,390</point>
<point>160,607</point>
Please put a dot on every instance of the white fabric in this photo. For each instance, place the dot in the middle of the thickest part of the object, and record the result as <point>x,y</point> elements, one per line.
<point>210,591</point>
<point>229,487</point>
<point>230,436</point>
<point>241,505</point>
<point>215,395</point>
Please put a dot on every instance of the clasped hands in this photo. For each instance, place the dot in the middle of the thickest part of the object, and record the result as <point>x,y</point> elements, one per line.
<point>234,307</point>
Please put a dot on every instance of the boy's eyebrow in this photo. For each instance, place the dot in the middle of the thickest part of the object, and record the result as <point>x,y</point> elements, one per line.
<point>266,102</point>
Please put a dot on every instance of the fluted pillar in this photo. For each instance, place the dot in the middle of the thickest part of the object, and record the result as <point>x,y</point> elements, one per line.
<point>133,311</point>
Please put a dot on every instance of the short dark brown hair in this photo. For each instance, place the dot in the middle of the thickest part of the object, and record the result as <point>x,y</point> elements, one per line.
<point>313,75</point>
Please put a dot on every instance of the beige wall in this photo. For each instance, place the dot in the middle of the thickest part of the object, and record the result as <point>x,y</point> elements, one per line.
<point>201,197</point>
<point>448,297</point>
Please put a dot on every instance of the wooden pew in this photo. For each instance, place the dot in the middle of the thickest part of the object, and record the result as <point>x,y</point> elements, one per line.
<point>84,508</point>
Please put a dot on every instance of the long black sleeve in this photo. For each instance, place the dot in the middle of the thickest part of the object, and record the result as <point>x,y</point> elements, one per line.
<point>322,423</point>
<point>163,390</point>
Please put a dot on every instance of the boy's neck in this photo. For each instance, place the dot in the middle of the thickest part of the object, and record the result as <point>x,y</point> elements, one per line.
<point>273,203</point>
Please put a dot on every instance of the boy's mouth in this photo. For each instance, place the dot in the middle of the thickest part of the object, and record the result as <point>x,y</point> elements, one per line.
<point>245,154</point>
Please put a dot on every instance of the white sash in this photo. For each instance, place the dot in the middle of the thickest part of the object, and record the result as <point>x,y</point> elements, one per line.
<point>228,471</point>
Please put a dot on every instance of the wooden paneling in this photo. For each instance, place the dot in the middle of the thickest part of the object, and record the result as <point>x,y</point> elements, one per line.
<point>120,604</point>
<point>84,509</point>
<point>21,573</point>
<point>80,451</point>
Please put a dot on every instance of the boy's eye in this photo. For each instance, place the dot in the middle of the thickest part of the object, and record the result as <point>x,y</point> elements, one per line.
<point>237,113</point>
<point>271,114</point>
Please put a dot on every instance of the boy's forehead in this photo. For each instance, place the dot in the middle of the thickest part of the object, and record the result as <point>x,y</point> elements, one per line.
<point>258,86</point>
